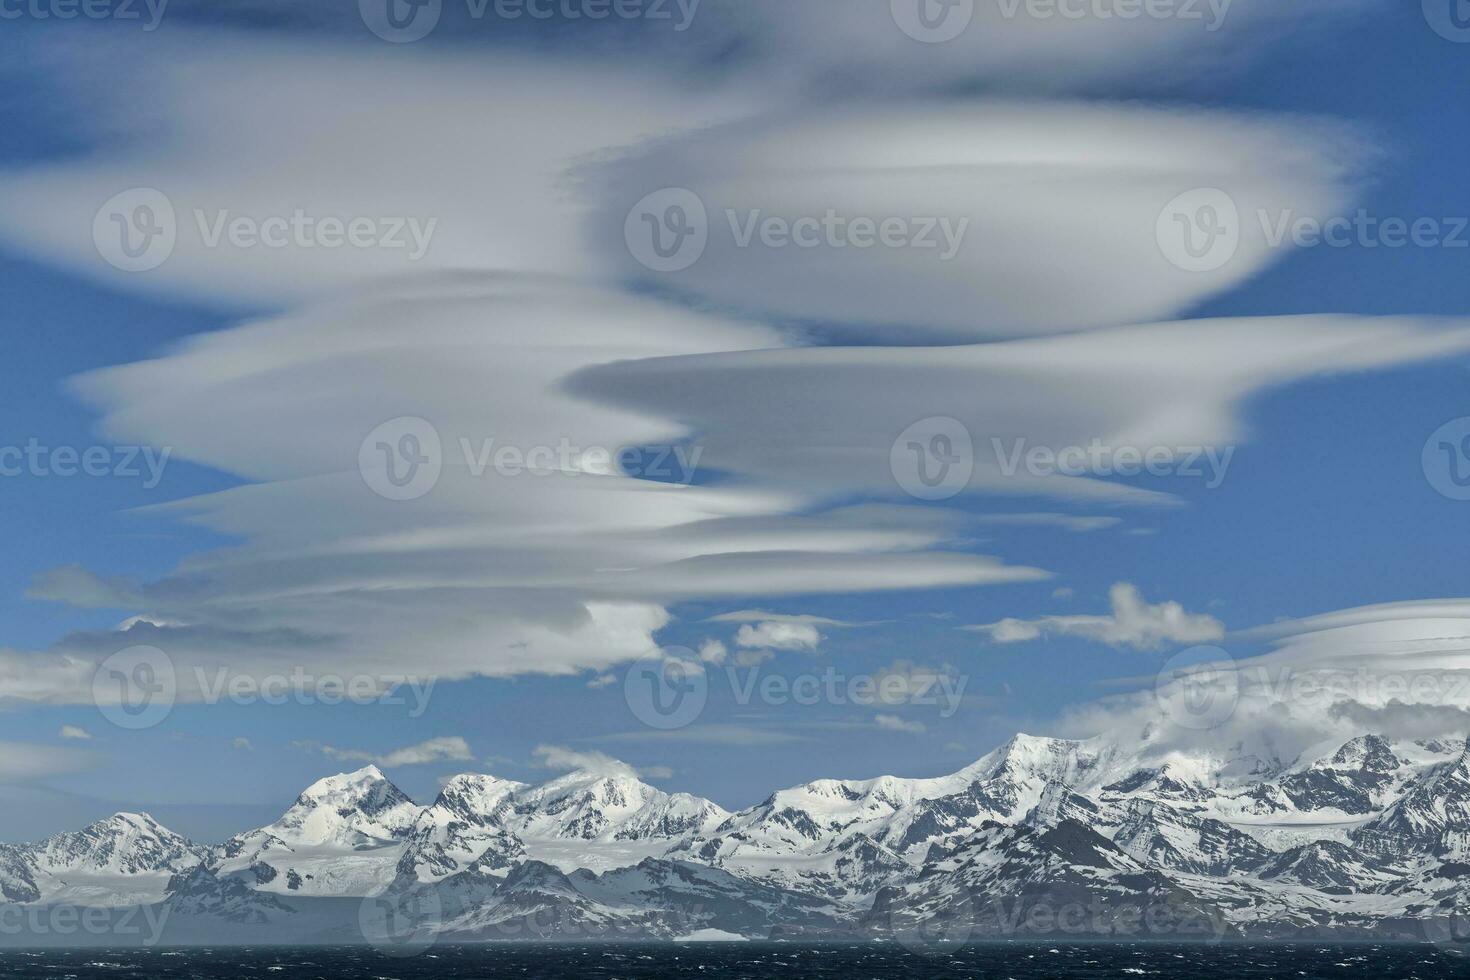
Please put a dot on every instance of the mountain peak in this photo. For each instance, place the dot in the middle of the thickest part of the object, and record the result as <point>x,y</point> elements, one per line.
<point>340,807</point>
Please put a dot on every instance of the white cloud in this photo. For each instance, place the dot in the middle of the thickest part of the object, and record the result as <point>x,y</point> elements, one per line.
<point>761,616</point>
<point>807,417</point>
<point>449,748</point>
<point>507,576</point>
<point>1398,669</point>
<point>1066,522</point>
<point>489,573</point>
<point>562,758</point>
<point>242,743</point>
<point>260,129</point>
<point>893,723</point>
<point>743,736</point>
<point>713,652</point>
<point>778,636</point>
<point>904,681</point>
<point>1043,215</point>
<point>1133,623</point>
<point>753,658</point>
<point>855,45</point>
<point>74,732</point>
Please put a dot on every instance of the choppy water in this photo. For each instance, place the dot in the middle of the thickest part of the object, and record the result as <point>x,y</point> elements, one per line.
<point>740,960</point>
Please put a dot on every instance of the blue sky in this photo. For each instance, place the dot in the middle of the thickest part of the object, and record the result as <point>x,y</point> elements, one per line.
<point>1325,505</point>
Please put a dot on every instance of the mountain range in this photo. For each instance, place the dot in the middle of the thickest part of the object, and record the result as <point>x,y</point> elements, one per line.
<point>1042,837</point>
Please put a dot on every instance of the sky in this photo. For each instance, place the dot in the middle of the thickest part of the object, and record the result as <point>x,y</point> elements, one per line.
<point>802,303</point>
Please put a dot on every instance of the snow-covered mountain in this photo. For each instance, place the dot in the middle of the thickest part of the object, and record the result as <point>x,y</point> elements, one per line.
<point>603,820</point>
<point>342,836</point>
<point>125,860</point>
<point>1368,837</point>
<point>355,834</point>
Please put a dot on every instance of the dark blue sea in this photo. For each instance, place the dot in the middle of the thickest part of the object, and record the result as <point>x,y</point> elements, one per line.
<point>717,961</point>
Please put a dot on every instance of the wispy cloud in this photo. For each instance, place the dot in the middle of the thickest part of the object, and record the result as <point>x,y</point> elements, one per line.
<point>561,758</point>
<point>449,748</point>
<point>893,723</point>
<point>1133,623</point>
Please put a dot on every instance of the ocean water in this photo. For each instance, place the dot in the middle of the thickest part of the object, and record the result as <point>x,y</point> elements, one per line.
<point>742,960</point>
